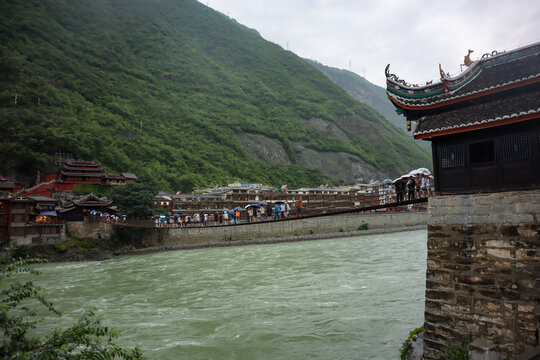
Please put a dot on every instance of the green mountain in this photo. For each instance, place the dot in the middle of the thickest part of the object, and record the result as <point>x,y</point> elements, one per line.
<point>180,95</point>
<point>367,93</point>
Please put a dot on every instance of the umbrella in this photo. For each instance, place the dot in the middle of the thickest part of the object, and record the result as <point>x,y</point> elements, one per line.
<point>415,172</point>
<point>387,181</point>
<point>406,176</point>
<point>263,203</point>
<point>396,180</point>
<point>238,208</point>
<point>177,215</point>
<point>253,205</point>
<point>424,171</point>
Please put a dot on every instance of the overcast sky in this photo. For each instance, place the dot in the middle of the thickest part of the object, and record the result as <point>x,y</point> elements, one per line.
<point>414,36</point>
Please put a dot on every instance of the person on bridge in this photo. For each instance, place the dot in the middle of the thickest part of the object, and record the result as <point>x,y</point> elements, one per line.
<point>277,212</point>
<point>299,207</point>
<point>411,186</point>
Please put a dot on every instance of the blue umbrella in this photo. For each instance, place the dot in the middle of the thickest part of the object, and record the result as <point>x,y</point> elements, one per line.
<point>387,181</point>
<point>238,208</point>
<point>253,205</point>
<point>263,203</point>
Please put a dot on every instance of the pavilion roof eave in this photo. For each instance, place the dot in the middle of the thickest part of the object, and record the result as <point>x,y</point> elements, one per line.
<point>484,124</point>
<point>456,99</point>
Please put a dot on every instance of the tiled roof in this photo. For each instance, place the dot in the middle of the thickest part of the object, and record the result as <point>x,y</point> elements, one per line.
<point>485,76</point>
<point>129,176</point>
<point>498,110</point>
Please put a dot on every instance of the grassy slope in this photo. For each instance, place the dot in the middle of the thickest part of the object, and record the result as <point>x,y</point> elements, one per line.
<point>192,77</point>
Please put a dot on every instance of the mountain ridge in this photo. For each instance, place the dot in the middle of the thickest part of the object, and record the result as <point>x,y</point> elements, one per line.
<point>167,90</point>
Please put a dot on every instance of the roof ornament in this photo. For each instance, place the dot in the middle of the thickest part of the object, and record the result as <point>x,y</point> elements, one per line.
<point>396,79</point>
<point>441,71</point>
<point>486,55</point>
<point>467,60</point>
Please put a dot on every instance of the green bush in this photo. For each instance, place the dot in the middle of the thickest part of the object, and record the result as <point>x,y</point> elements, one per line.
<point>87,339</point>
<point>61,248</point>
<point>364,226</point>
<point>457,351</point>
<point>412,337</point>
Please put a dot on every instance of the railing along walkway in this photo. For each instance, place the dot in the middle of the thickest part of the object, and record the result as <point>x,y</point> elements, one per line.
<point>329,212</point>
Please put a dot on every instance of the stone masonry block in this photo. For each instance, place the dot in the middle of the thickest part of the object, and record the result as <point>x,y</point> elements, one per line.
<point>519,219</point>
<point>435,220</point>
<point>455,219</point>
<point>481,209</point>
<point>436,201</point>
<point>485,199</point>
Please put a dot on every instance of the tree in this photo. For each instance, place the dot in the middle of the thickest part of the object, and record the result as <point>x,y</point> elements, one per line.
<point>87,339</point>
<point>135,200</point>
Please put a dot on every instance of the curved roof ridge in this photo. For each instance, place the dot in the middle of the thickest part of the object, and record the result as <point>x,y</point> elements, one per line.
<point>405,94</point>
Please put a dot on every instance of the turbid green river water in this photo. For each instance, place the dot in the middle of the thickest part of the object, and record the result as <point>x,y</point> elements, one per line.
<point>348,298</point>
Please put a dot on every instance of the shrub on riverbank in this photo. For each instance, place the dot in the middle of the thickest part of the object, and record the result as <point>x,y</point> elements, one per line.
<point>87,339</point>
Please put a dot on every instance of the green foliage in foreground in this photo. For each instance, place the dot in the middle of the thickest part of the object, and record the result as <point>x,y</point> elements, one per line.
<point>87,339</point>
<point>457,351</point>
<point>406,344</point>
<point>164,90</point>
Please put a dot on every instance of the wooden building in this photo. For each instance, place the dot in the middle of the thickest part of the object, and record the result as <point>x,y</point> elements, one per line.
<point>483,264</point>
<point>27,220</point>
<point>484,124</point>
<point>76,209</point>
<point>81,172</point>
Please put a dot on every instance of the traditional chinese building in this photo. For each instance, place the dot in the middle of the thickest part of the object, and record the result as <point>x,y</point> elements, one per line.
<point>76,209</point>
<point>483,233</point>
<point>79,171</point>
<point>29,220</point>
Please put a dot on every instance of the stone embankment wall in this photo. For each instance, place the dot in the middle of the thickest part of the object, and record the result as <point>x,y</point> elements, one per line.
<point>90,230</point>
<point>168,238</point>
<point>483,271</point>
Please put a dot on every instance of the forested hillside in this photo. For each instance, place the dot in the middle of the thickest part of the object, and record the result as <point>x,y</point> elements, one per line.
<point>180,95</point>
<point>367,93</point>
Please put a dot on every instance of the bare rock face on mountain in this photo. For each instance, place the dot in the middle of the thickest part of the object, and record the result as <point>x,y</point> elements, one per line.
<point>342,168</point>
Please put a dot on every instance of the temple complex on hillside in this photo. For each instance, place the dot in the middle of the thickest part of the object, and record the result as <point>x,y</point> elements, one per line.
<point>73,172</point>
<point>484,226</point>
<point>91,172</point>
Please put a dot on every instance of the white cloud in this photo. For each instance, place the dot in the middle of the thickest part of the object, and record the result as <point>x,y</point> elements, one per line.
<point>414,36</point>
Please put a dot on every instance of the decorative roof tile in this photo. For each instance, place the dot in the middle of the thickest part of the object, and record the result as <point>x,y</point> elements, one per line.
<point>485,76</point>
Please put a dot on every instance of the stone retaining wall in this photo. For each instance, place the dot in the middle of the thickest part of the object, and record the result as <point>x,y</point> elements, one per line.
<point>202,236</point>
<point>483,271</point>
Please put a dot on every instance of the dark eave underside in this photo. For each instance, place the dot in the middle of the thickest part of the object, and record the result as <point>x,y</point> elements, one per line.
<point>497,111</point>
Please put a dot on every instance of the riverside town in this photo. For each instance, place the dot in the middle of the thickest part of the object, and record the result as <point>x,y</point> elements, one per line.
<point>37,215</point>
<point>187,179</point>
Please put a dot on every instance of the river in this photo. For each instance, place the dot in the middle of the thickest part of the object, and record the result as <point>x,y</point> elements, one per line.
<point>347,298</point>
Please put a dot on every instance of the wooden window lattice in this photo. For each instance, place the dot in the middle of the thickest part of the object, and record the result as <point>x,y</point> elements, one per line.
<point>515,147</point>
<point>452,155</point>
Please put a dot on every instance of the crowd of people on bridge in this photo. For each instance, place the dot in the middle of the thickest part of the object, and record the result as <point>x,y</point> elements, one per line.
<point>413,187</point>
<point>417,184</point>
<point>262,211</point>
